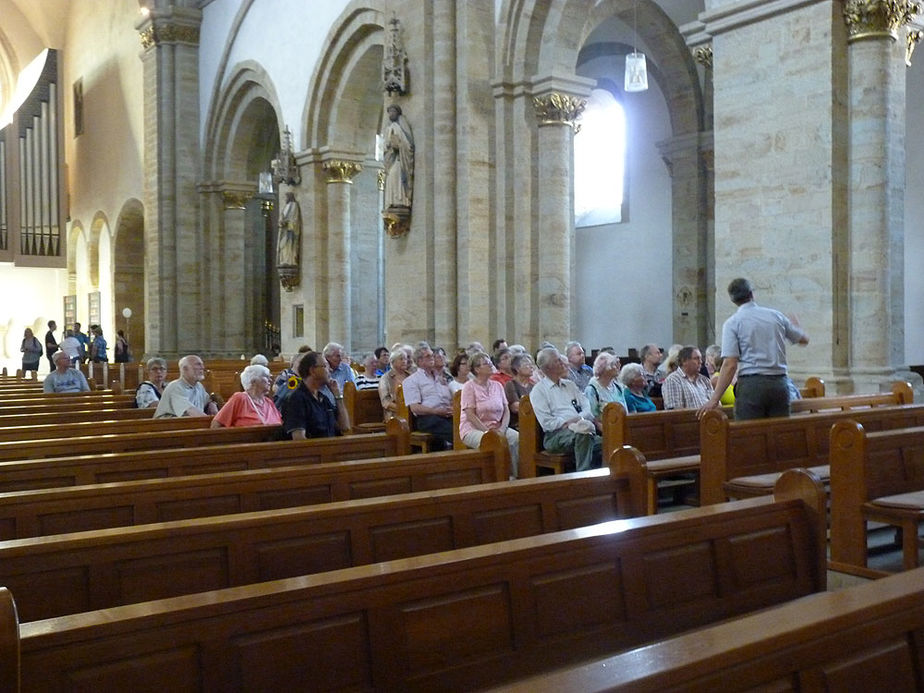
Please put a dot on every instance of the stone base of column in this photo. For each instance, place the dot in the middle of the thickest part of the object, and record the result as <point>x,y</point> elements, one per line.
<point>867,380</point>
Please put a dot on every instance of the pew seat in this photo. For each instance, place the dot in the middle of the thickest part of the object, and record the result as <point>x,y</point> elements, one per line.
<point>454,620</point>
<point>533,455</point>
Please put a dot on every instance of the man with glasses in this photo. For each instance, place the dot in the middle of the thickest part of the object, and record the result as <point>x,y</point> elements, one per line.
<point>426,394</point>
<point>563,412</point>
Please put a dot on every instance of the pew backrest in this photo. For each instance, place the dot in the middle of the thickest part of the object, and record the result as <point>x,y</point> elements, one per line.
<point>98,426</point>
<point>9,642</point>
<point>364,407</point>
<point>657,434</point>
<point>901,393</point>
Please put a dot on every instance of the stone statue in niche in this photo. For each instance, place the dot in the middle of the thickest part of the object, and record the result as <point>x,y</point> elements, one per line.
<point>399,161</point>
<point>290,233</point>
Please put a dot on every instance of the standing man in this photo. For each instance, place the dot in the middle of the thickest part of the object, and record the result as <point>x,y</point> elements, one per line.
<point>51,344</point>
<point>754,347</point>
<point>186,396</point>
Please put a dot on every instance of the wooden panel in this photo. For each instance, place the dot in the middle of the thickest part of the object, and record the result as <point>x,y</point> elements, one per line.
<point>303,555</point>
<point>574,600</point>
<point>589,510</point>
<point>85,519</point>
<point>380,487</point>
<point>174,670</point>
<point>199,507</point>
<point>886,666</point>
<point>762,557</point>
<point>290,497</point>
<point>452,478</point>
<point>64,591</point>
<point>158,577</point>
<point>411,538</point>
<point>7,528</point>
<point>328,654</point>
<point>681,575</point>
<point>499,524</point>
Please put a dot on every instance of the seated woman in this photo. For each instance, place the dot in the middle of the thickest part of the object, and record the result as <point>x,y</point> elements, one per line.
<point>459,371</point>
<point>484,408</point>
<point>502,361</point>
<point>603,388</point>
<point>253,406</point>
<point>148,393</point>
<point>728,397</point>
<point>522,368</point>
<point>632,378</point>
<point>388,383</point>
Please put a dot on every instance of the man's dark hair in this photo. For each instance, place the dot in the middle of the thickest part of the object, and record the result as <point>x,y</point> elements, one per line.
<point>309,361</point>
<point>497,343</point>
<point>686,353</point>
<point>380,351</point>
<point>739,290</point>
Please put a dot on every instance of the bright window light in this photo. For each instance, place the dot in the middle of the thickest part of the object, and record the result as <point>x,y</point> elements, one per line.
<point>599,161</point>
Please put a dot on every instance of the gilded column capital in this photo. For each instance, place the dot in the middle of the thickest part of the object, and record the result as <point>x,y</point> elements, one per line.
<point>178,25</point>
<point>339,171</point>
<point>867,19</point>
<point>559,109</point>
<point>703,55</point>
<point>235,199</point>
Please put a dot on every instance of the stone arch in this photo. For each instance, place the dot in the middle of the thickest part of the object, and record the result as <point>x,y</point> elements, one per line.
<point>242,138</point>
<point>128,282</point>
<point>343,113</point>
<point>99,255</point>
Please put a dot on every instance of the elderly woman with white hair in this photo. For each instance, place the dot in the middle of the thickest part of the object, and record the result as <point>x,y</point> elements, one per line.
<point>603,388</point>
<point>253,406</point>
<point>632,377</point>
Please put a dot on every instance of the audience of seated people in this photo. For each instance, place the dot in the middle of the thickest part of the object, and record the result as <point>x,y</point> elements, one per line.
<point>686,387</point>
<point>563,413</point>
<point>484,408</point>
<point>253,406</point>
<point>64,378</point>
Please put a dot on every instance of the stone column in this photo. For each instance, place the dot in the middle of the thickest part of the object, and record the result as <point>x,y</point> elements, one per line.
<point>876,190</point>
<point>231,326</point>
<point>170,40</point>
<point>556,112</point>
<point>691,257</point>
<point>340,175</point>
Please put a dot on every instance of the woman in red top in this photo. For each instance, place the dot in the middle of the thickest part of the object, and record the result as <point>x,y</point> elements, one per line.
<point>253,406</point>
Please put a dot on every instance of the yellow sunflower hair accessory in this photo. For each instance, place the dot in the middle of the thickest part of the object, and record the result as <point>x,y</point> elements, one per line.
<point>292,382</point>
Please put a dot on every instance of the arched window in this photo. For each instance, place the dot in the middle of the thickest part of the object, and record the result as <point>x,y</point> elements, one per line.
<point>600,162</point>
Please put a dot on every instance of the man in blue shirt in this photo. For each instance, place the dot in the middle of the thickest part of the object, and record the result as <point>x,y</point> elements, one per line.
<point>754,347</point>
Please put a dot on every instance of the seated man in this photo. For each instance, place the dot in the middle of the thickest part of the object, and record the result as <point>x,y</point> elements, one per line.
<point>186,396</point>
<point>340,370</point>
<point>427,396</point>
<point>578,370</point>
<point>563,412</point>
<point>64,378</point>
<point>307,412</point>
<point>686,387</point>
<point>650,356</point>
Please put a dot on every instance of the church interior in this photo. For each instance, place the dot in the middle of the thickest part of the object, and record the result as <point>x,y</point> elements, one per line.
<point>236,177</point>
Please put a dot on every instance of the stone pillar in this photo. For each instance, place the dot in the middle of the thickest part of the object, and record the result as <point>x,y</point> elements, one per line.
<point>173,276</point>
<point>340,175</point>
<point>876,190</point>
<point>691,257</point>
<point>556,112</point>
<point>231,265</point>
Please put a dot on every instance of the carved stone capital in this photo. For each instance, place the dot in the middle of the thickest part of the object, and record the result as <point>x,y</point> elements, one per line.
<point>234,199</point>
<point>558,109</point>
<point>703,55</point>
<point>870,19</point>
<point>339,171</point>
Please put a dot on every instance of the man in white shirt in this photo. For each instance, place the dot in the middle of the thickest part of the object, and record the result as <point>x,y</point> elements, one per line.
<point>186,396</point>
<point>563,412</point>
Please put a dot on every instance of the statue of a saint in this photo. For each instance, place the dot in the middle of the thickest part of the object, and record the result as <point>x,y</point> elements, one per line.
<point>399,160</point>
<point>290,233</point>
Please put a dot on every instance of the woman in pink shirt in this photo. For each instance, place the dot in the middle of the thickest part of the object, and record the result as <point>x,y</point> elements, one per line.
<point>253,406</point>
<point>484,408</point>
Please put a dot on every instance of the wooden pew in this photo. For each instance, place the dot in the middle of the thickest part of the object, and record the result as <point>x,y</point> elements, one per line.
<point>69,573</point>
<point>100,427</point>
<point>71,399</point>
<point>364,409</point>
<point>454,620</point>
<point>865,638</point>
<point>58,510</point>
<point>235,454</point>
<point>75,416</point>
<point>901,393</point>
<point>743,458</point>
<point>9,642</point>
<point>814,387</point>
<point>532,453</point>
<point>876,477</point>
